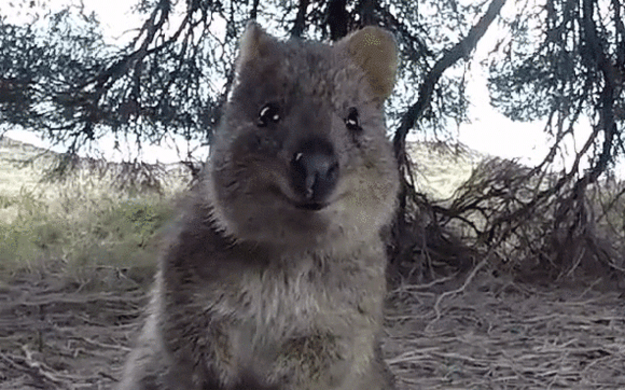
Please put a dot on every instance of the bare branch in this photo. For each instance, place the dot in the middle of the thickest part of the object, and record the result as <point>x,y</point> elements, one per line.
<point>460,50</point>
<point>300,19</point>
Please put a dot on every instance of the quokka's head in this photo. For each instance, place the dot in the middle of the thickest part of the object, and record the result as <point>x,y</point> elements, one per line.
<point>301,157</point>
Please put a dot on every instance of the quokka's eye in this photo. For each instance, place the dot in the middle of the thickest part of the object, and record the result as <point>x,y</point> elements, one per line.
<point>352,122</point>
<point>268,113</point>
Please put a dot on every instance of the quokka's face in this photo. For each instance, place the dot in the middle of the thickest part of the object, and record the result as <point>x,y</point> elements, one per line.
<point>302,156</point>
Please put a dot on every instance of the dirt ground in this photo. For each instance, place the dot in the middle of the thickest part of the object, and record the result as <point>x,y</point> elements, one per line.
<point>493,334</point>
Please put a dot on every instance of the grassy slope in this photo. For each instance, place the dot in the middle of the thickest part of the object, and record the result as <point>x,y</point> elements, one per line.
<point>440,169</point>
<point>16,182</point>
<point>78,228</point>
<point>12,178</point>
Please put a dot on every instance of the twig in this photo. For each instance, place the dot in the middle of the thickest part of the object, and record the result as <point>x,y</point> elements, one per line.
<point>34,368</point>
<point>457,291</point>
<point>108,376</point>
<point>102,345</point>
<point>577,262</point>
<point>424,286</point>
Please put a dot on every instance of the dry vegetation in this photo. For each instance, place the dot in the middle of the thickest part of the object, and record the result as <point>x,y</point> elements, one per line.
<point>76,260</point>
<point>499,334</point>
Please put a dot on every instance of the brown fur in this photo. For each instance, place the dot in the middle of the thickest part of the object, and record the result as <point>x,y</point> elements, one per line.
<point>274,275</point>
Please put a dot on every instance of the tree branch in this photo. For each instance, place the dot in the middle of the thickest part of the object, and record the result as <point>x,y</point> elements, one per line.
<point>603,65</point>
<point>300,19</point>
<point>460,50</point>
<point>254,11</point>
<point>338,19</point>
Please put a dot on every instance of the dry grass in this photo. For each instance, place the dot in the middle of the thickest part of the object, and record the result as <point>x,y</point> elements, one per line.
<point>497,334</point>
<point>54,336</point>
<point>492,334</point>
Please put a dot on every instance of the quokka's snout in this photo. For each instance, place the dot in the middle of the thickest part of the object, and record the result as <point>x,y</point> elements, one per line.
<point>314,171</point>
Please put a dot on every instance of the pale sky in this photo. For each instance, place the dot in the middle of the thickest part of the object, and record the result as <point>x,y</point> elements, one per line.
<point>490,132</point>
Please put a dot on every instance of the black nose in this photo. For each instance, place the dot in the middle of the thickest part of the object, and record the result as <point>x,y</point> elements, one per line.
<point>314,172</point>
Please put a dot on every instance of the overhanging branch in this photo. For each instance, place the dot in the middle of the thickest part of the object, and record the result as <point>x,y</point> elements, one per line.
<point>460,50</point>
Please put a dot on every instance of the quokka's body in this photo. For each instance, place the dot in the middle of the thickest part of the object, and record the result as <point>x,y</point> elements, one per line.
<point>274,275</point>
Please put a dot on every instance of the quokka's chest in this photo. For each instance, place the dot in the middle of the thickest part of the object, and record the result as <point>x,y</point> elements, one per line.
<point>297,301</point>
<point>258,317</point>
<point>272,313</point>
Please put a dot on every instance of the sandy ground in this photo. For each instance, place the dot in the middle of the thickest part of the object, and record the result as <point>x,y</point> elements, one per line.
<point>491,335</point>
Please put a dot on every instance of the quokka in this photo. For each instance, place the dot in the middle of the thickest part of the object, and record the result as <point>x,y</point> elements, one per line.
<point>274,275</point>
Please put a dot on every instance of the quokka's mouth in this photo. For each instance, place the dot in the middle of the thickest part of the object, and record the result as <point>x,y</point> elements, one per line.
<point>300,205</point>
<point>312,206</point>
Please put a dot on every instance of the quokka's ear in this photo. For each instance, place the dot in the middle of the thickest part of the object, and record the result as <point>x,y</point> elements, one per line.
<point>375,51</point>
<point>254,45</point>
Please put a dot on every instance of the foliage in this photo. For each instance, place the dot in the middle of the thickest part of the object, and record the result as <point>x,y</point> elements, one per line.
<point>40,65</point>
<point>562,60</point>
<point>567,60</point>
<point>174,76</point>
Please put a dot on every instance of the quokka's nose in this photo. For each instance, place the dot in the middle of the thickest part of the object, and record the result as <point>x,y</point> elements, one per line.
<point>314,171</point>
